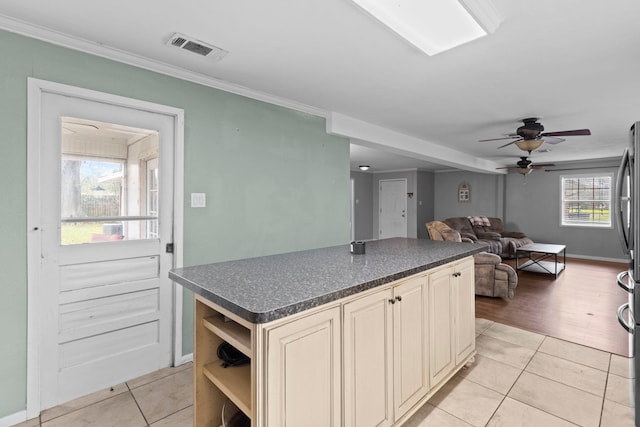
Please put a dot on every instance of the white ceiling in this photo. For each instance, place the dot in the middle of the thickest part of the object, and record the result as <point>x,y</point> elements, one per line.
<point>574,63</point>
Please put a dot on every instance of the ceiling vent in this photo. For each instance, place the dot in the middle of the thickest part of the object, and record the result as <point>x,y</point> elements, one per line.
<point>196,46</point>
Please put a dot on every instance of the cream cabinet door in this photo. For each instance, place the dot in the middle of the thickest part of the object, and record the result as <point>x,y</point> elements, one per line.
<point>465,312</point>
<point>303,383</point>
<point>367,358</point>
<point>410,344</point>
<point>441,326</point>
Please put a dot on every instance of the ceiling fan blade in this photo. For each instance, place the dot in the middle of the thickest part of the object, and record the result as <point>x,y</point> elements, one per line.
<point>497,139</point>
<point>576,132</point>
<point>509,143</point>
<point>552,139</point>
<point>541,165</point>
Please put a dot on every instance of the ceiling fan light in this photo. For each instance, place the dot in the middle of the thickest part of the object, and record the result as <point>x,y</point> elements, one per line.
<point>529,144</point>
<point>524,171</point>
<point>364,167</point>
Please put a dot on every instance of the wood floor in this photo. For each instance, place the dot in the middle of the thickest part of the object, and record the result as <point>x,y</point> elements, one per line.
<point>579,306</point>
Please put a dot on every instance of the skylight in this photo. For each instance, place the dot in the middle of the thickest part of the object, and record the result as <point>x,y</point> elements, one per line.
<point>434,26</point>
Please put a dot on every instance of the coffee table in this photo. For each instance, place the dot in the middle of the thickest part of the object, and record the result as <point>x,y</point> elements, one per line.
<point>538,256</point>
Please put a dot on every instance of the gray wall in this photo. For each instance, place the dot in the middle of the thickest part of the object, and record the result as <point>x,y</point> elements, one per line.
<point>529,204</point>
<point>363,205</point>
<point>411,177</point>
<point>533,206</point>
<point>426,197</point>
<point>251,158</point>
<point>486,194</point>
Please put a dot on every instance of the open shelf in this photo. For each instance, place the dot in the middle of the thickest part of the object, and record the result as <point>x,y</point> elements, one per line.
<point>233,381</point>
<point>230,331</point>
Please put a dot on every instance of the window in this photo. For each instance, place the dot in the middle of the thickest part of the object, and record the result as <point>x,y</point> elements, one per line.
<point>108,182</point>
<point>586,200</point>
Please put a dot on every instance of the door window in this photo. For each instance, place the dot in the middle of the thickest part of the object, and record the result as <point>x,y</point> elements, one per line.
<point>108,182</point>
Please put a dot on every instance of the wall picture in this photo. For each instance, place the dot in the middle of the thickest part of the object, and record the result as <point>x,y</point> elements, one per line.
<point>464,192</point>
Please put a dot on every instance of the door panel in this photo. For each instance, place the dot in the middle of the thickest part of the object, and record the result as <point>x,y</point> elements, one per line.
<point>87,275</point>
<point>88,360</point>
<point>303,372</point>
<point>411,367</point>
<point>465,310</point>
<point>368,361</point>
<point>93,312</point>
<point>393,208</point>
<point>441,327</point>
<point>78,352</point>
<point>106,185</point>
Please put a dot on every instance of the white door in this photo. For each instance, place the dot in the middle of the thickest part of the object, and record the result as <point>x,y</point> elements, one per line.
<point>393,208</point>
<point>106,194</point>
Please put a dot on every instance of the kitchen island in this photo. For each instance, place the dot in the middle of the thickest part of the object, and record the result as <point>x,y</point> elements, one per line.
<point>333,339</point>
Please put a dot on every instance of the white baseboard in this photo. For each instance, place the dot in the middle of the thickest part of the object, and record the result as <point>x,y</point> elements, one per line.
<point>184,359</point>
<point>17,418</point>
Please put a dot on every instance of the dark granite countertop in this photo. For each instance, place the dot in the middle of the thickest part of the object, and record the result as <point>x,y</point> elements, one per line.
<point>271,287</point>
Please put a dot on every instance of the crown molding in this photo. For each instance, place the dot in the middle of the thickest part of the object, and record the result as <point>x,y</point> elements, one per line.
<point>64,40</point>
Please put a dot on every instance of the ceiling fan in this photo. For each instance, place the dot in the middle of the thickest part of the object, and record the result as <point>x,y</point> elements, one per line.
<point>531,135</point>
<point>524,166</point>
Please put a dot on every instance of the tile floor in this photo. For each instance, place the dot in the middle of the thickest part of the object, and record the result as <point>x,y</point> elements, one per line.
<point>519,378</point>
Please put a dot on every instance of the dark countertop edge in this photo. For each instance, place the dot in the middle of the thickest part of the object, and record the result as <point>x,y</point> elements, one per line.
<point>278,313</point>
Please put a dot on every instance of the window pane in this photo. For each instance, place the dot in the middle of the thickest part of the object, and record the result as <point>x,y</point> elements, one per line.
<point>586,201</point>
<point>105,185</point>
<point>86,193</point>
<point>73,233</point>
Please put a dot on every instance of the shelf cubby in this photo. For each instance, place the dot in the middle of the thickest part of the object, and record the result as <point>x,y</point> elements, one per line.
<point>214,384</point>
<point>230,331</point>
<point>234,382</point>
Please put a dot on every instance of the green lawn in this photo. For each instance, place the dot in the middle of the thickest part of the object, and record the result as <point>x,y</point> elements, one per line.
<point>595,215</point>
<point>75,233</point>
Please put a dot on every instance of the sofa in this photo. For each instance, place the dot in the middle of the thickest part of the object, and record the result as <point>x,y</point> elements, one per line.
<point>492,277</point>
<point>491,232</point>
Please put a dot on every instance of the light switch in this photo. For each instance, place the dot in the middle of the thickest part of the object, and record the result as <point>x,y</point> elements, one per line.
<point>198,200</point>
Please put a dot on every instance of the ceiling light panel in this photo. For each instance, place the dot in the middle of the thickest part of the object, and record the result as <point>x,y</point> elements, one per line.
<point>436,25</point>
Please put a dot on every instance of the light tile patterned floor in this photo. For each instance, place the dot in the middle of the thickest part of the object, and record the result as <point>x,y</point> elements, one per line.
<point>519,378</point>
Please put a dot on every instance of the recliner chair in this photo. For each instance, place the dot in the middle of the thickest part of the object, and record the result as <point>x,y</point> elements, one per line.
<point>493,278</point>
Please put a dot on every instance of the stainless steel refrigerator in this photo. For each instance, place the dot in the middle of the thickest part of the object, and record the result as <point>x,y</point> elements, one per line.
<point>627,216</point>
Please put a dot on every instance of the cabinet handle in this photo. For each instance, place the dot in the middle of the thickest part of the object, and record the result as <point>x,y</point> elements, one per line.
<point>456,274</point>
<point>392,301</point>
<point>398,298</point>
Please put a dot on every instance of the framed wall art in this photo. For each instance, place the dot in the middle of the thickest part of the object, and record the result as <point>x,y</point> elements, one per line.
<point>464,192</point>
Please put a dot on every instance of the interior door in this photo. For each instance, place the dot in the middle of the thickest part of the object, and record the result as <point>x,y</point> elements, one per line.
<point>106,185</point>
<point>393,208</point>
